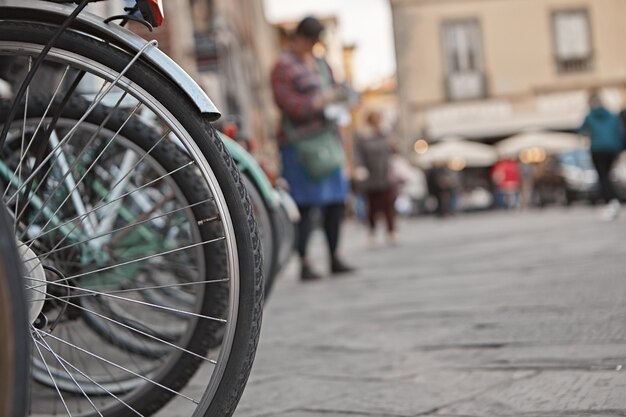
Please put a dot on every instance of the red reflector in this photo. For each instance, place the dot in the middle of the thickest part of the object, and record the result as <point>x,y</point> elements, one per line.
<point>152,11</point>
<point>156,8</point>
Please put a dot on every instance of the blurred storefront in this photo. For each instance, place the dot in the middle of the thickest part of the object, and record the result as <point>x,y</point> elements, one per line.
<point>485,70</point>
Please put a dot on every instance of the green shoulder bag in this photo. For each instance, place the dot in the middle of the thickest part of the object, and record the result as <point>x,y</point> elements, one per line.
<point>320,154</point>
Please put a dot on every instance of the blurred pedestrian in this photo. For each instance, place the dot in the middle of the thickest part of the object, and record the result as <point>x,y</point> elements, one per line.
<point>443,183</point>
<point>310,143</point>
<point>373,160</point>
<point>549,184</point>
<point>527,185</point>
<point>506,178</point>
<point>607,141</point>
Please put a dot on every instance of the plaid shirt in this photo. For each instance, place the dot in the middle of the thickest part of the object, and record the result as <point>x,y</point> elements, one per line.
<point>295,86</point>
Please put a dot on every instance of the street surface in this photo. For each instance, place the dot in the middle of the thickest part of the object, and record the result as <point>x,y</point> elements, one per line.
<point>491,314</point>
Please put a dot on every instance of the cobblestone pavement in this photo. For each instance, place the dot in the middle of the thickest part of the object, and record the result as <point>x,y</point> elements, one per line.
<point>494,314</point>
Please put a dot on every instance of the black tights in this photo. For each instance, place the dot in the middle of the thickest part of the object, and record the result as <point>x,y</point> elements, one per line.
<point>603,162</point>
<point>331,219</point>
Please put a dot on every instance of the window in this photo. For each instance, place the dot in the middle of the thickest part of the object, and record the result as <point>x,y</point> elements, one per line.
<point>205,38</point>
<point>462,50</point>
<point>572,41</point>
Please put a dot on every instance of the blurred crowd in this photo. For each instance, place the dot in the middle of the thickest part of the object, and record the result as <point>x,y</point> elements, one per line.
<point>324,173</point>
<point>590,171</point>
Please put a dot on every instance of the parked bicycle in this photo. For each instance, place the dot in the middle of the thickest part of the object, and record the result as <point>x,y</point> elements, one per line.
<point>142,257</point>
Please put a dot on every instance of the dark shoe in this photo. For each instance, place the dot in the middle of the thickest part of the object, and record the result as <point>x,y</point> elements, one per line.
<point>307,274</point>
<point>338,267</point>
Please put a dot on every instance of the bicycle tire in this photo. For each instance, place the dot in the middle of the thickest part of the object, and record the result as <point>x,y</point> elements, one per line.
<point>235,368</point>
<point>266,220</point>
<point>14,349</point>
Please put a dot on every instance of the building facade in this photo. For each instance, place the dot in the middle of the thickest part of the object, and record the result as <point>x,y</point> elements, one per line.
<point>487,69</point>
<point>235,49</point>
<point>380,98</point>
<point>228,47</point>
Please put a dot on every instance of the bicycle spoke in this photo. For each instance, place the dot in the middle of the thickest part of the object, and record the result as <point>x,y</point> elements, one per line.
<point>19,174</point>
<point>45,113</point>
<point>100,201</point>
<point>96,383</point>
<point>78,218</point>
<point>141,302</point>
<point>113,380</point>
<point>75,187</point>
<point>45,161</point>
<point>58,154</point>
<point>41,151</point>
<point>100,365</point>
<point>98,100</point>
<point>145,258</point>
<point>120,367</point>
<point>123,178</point>
<point>57,357</point>
<point>52,379</point>
<point>134,330</point>
<point>156,287</point>
<point>120,229</point>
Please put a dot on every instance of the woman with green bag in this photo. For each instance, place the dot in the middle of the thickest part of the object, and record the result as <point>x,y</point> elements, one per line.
<point>310,144</point>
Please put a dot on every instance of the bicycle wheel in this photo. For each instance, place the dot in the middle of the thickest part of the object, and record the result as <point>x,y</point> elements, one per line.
<point>14,349</point>
<point>267,233</point>
<point>102,204</point>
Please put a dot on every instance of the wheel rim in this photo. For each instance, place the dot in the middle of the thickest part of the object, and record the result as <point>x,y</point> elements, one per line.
<point>104,73</point>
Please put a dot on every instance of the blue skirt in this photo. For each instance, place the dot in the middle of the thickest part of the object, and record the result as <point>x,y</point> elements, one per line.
<point>306,192</point>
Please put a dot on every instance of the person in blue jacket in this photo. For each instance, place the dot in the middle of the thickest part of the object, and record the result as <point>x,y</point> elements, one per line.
<point>607,141</point>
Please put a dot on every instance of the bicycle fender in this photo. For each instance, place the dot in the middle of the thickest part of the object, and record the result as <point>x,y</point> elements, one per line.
<point>91,24</point>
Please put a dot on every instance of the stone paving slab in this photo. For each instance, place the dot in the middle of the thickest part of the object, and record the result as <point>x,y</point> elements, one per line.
<point>551,393</point>
<point>494,314</point>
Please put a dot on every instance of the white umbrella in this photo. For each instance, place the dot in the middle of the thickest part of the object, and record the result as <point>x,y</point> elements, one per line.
<point>550,142</point>
<point>462,152</point>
